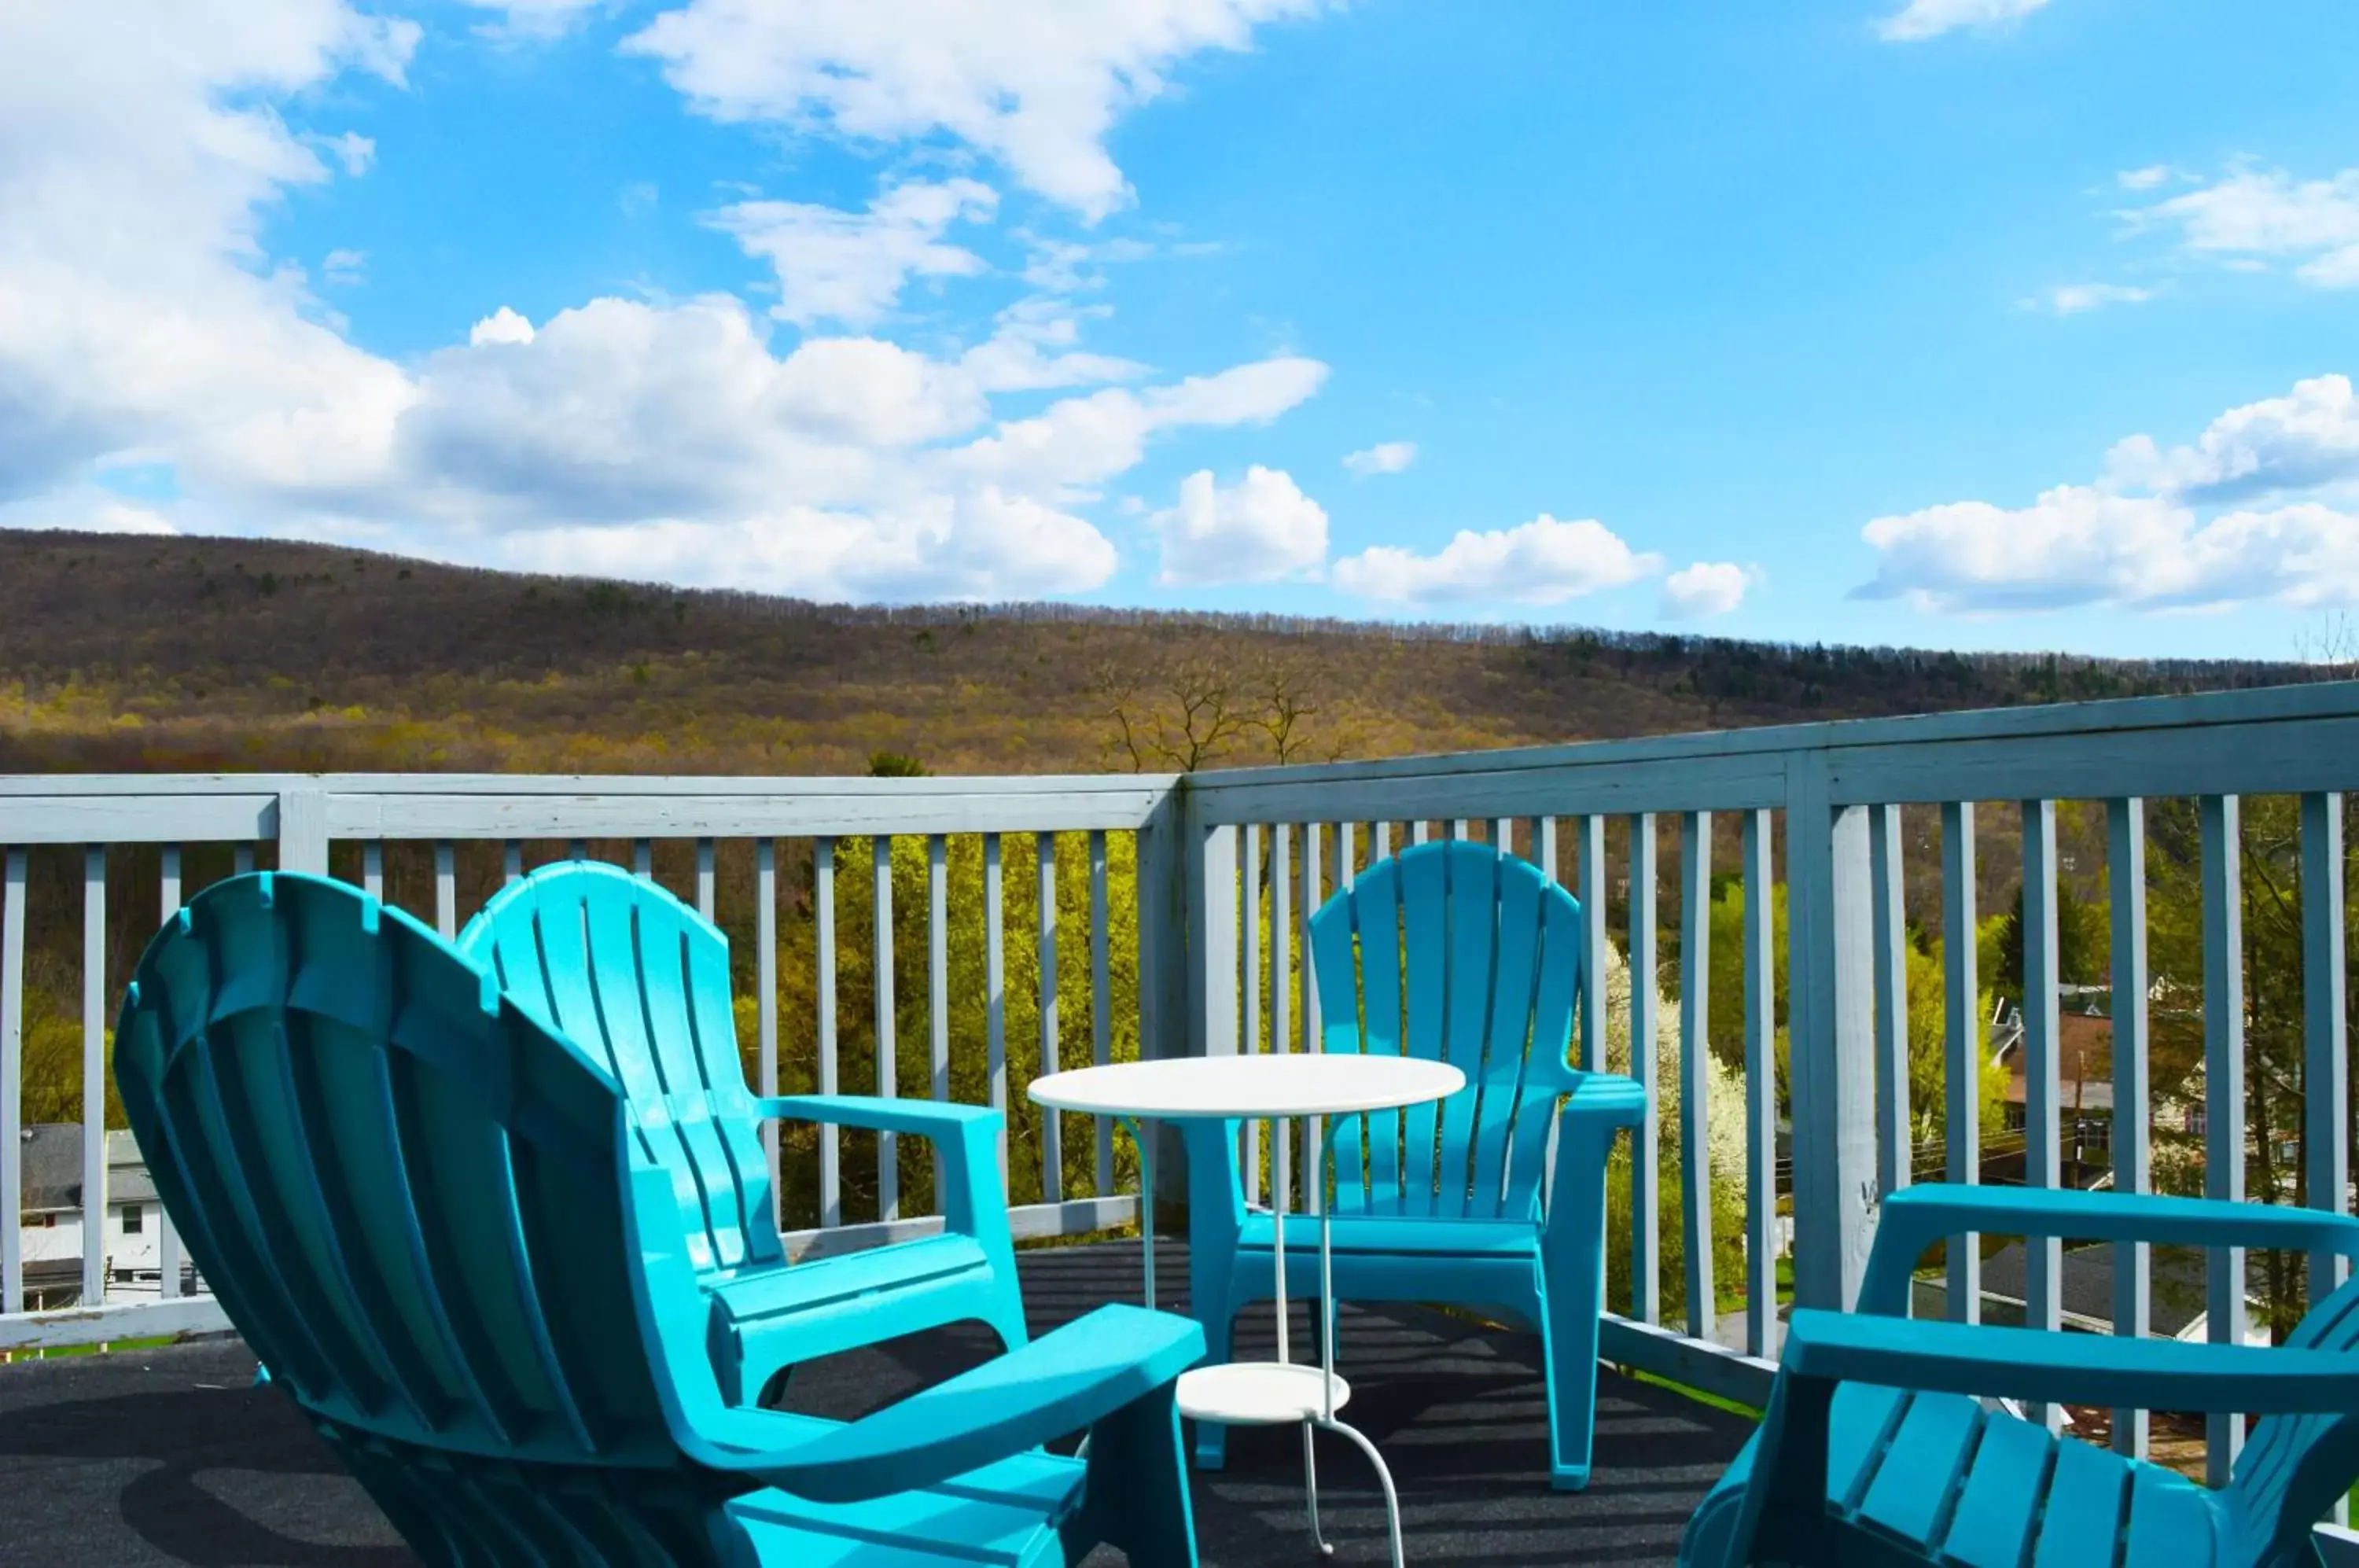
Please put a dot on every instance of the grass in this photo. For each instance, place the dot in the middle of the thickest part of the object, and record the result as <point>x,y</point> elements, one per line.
<point>44,1353</point>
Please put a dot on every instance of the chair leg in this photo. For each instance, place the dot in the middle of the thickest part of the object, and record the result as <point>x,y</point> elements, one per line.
<point>1572,1297</point>
<point>1137,1486</point>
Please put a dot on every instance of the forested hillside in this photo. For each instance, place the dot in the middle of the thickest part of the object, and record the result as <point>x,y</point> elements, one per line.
<point>126,652</point>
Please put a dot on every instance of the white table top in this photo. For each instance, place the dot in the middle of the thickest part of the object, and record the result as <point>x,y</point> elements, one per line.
<point>1254,1087</point>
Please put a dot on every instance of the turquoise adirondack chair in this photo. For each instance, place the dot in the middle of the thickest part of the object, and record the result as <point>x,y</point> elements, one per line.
<point>629,971</point>
<point>1874,1449</point>
<point>1459,954</point>
<point>452,1235</point>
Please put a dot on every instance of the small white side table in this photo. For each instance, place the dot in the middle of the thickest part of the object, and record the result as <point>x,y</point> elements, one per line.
<point>1274,1089</point>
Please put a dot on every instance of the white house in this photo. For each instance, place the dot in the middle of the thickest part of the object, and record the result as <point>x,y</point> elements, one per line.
<point>50,1225</point>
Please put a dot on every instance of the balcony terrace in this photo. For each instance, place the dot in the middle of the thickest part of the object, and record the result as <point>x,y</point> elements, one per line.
<point>880,948</point>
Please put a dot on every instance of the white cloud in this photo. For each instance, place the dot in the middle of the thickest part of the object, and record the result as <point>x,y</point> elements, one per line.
<point>344,266</point>
<point>2145,178</point>
<point>2079,545</point>
<point>1385,457</point>
<point>1258,530</point>
<point>2141,538</point>
<point>1923,19</point>
<point>142,321</point>
<point>502,326</point>
<point>2254,216</point>
<point>135,305</point>
<point>1706,588</point>
<point>1078,442</point>
<point>2304,440</point>
<point>852,266</point>
<point>1544,562</point>
<point>85,508</point>
<point>1035,84</point>
<point>2075,298</point>
<point>1032,349</point>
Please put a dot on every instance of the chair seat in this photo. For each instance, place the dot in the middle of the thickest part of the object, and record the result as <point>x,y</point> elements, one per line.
<point>786,1290</point>
<point>1008,1513</point>
<point>1944,1478</point>
<point>1395,1237</point>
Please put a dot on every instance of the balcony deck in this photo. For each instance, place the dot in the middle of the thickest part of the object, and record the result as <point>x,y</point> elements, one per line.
<point>168,1456</point>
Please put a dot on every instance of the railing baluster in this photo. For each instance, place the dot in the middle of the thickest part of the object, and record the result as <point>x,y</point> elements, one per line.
<point>766,987</point>
<point>1695,1059</point>
<point>831,1140</point>
<point>1589,832</point>
<point>167,1236</point>
<point>1503,834</point>
<point>1760,1093</point>
<point>242,860</point>
<point>2043,1288</point>
<point>2326,1073</point>
<point>1281,970</point>
<point>1420,832</point>
<point>12,1080</point>
<point>2224,1095</point>
<point>1645,1220</point>
<point>642,858</point>
<point>1962,1048</point>
<point>2125,874</point>
<point>938,981</point>
<point>1052,1127</point>
<point>1383,840</point>
<point>1101,1006</point>
<point>1542,835</point>
<point>889,1073</point>
<point>511,863</point>
<point>705,877</point>
<point>373,868</point>
<point>577,849</point>
<point>994,992</point>
<point>446,889</point>
<point>1313,888</point>
<point>1892,1141</point>
<point>93,1078</point>
<point>1255,993</point>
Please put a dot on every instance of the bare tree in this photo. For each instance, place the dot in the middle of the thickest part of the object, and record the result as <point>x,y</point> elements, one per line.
<point>2330,646</point>
<point>1183,712</point>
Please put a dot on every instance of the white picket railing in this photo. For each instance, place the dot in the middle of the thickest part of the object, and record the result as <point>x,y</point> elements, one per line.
<point>1230,865</point>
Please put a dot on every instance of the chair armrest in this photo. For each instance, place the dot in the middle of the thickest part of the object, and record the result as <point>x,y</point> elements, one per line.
<point>2067,1368</point>
<point>1608,1097</point>
<point>1057,1384</point>
<point>974,1200</point>
<point>1915,1217</point>
<point>919,1118</point>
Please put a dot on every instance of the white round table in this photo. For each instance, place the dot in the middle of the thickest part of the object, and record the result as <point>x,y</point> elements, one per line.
<point>1275,1089</point>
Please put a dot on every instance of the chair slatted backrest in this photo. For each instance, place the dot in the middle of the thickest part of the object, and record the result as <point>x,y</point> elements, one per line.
<point>2294,1467</point>
<point>403,1188</point>
<point>1453,952</point>
<point>628,971</point>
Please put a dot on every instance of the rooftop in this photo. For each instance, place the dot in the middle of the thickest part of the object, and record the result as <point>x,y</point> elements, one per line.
<point>168,1455</point>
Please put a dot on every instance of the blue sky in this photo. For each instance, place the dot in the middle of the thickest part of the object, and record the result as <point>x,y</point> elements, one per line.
<point>1979,323</point>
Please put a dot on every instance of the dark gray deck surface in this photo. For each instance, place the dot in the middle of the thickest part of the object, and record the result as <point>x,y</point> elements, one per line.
<point>167,1456</point>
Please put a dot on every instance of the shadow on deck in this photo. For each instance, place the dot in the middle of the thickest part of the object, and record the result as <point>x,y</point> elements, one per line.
<point>167,1456</point>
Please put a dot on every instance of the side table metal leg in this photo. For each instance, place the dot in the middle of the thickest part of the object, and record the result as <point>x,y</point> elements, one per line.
<point>1310,1488</point>
<point>1392,1501</point>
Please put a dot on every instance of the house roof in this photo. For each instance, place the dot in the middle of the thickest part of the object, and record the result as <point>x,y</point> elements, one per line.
<point>50,1156</point>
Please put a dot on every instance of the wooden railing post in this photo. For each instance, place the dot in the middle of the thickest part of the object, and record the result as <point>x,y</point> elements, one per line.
<point>303,830</point>
<point>1831,1017</point>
